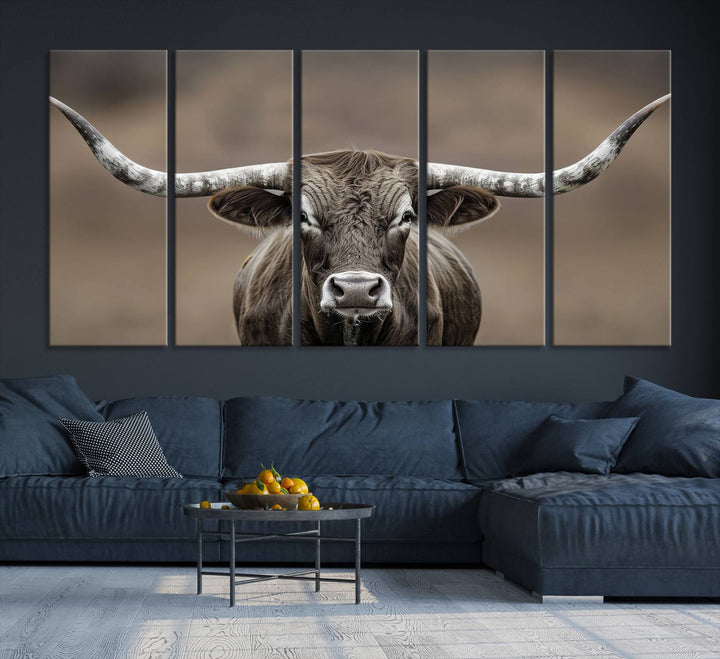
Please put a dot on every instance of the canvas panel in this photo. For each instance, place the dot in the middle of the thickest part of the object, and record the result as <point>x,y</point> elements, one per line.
<point>486,110</point>
<point>360,257</point>
<point>612,236</point>
<point>107,241</point>
<point>233,108</point>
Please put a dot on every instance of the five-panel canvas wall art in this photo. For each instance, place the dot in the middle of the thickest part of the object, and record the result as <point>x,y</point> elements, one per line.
<point>492,264</point>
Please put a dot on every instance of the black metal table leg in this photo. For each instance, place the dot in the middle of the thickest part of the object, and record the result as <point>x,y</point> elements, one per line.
<point>357,561</point>
<point>199,560</point>
<point>317,560</point>
<point>232,562</point>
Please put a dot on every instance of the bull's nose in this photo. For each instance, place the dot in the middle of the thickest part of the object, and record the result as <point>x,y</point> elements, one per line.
<point>356,289</point>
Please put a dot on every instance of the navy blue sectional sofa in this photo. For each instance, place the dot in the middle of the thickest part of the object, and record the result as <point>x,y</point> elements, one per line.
<point>442,474</point>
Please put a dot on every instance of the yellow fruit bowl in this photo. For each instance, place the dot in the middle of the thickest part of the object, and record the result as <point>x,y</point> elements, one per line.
<point>250,501</point>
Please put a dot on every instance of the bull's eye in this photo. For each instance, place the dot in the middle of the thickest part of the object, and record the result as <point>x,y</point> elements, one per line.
<point>308,222</point>
<point>402,222</point>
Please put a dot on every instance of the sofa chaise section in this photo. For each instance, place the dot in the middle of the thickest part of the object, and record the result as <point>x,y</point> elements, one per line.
<point>638,535</point>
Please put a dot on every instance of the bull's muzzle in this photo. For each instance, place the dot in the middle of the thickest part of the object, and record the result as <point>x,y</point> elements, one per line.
<point>356,293</point>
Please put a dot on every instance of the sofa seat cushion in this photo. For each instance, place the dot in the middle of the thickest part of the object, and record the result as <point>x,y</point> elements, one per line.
<point>104,508</point>
<point>189,429</point>
<point>570,520</point>
<point>407,508</point>
<point>350,438</point>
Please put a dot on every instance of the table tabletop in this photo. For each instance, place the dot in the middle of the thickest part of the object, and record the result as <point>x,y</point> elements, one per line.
<point>329,511</point>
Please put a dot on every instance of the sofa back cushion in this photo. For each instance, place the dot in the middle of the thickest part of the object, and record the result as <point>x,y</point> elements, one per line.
<point>495,434</point>
<point>677,435</point>
<point>32,440</point>
<point>313,437</point>
<point>189,429</point>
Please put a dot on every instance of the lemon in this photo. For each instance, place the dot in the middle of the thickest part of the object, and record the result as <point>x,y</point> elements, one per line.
<point>274,487</point>
<point>308,502</point>
<point>299,487</point>
<point>266,476</point>
<point>256,487</point>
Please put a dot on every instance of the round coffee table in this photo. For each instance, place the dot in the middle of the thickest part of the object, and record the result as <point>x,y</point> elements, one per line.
<point>329,513</point>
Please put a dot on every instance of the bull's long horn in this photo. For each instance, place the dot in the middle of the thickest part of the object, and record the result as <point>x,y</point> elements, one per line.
<point>510,184</point>
<point>152,181</point>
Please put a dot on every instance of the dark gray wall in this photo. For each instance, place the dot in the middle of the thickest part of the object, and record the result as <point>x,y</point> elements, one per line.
<point>30,28</point>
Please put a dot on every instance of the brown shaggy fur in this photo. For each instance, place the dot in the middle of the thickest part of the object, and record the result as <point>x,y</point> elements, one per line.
<point>354,196</point>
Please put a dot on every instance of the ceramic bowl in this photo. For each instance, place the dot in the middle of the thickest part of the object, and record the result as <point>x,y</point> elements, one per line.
<point>250,501</point>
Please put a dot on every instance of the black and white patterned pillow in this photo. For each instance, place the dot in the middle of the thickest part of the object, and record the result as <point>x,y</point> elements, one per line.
<point>121,447</point>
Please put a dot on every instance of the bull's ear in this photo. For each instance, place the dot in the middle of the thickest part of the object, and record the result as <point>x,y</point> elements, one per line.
<point>459,207</point>
<point>252,208</point>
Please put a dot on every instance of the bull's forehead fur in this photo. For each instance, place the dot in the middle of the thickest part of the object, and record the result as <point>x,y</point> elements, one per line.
<point>368,184</point>
<point>354,196</point>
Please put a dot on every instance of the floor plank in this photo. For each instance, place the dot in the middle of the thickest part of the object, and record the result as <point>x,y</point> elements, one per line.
<point>102,631</point>
<point>162,622</point>
<point>37,633</point>
<point>20,595</point>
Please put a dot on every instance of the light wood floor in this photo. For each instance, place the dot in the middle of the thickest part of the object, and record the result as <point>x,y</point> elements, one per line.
<point>83,612</point>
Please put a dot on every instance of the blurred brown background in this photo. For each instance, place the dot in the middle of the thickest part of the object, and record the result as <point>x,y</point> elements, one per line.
<point>486,109</point>
<point>107,241</point>
<point>612,237</point>
<point>360,99</point>
<point>232,108</point>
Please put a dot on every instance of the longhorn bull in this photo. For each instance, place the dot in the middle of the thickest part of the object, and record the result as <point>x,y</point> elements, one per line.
<point>359,236</point>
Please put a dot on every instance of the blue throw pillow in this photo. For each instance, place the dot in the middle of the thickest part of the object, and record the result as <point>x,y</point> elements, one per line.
<point>32,441</point>
<point>677,435</point>
<point>589,446</point>
<point>494,433</point>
